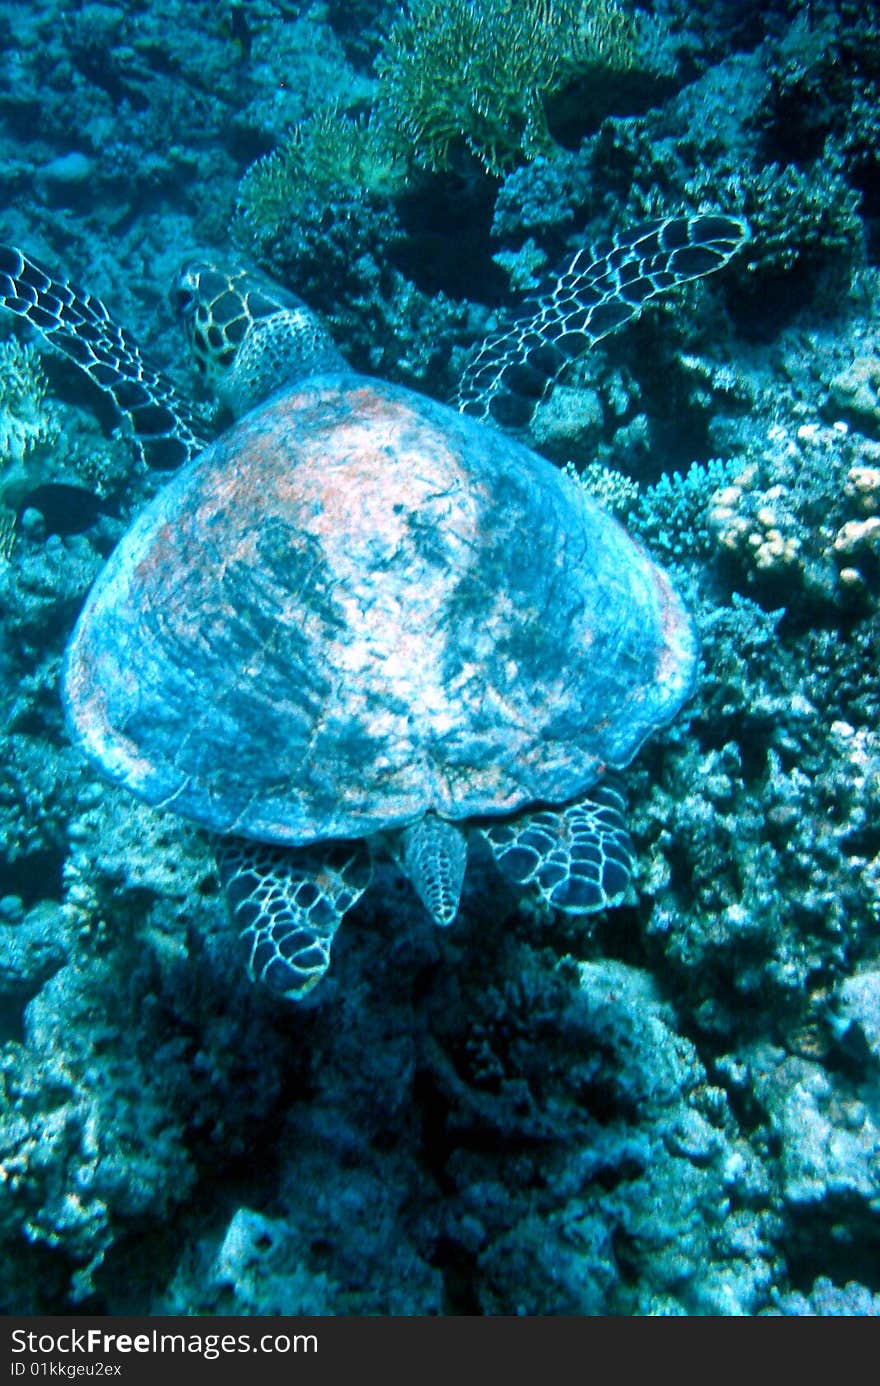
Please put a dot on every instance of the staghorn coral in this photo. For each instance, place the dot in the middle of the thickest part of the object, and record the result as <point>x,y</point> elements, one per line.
<point>672,516</point>
<point>454,75</point>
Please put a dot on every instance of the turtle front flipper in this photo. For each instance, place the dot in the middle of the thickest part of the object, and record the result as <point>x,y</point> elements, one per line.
<point>594,293</point>
<point>166,430</point>
<point>288,904</point>
<point>579,857</point>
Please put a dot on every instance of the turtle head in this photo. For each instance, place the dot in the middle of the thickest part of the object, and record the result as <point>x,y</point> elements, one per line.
<point>249,337</point>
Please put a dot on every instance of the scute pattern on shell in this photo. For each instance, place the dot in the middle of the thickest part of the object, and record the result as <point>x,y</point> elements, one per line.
<point>359,606</point>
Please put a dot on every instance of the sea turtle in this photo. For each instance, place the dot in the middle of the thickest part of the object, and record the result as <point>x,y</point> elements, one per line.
<point>361,620</point>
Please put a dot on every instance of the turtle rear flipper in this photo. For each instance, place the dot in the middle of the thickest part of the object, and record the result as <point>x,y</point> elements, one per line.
<point>596,292</point>
<point>167,431</point>
<point>579,857</point>
<point>288,904</point>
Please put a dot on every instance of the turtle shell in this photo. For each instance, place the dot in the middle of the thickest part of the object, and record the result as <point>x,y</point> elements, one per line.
<point>359,605</point>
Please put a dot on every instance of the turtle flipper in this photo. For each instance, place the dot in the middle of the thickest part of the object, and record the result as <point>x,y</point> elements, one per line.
<point>580,857</point>
<point>432,854</point>
<point>166,429</point>
<point>595,292</point>
<point>288,904</point>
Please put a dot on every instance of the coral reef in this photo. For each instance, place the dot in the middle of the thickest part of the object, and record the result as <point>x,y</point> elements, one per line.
<point>28,425</point>
<point>26,419</point>
<point>326,158</point>
<point>673,1110</point>
<point>479,77</point>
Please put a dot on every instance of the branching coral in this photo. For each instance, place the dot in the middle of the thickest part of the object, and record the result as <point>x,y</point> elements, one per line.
<point>672,516</point>
<point>479,76</point>
<point>327,157</point>
<point>26,422</point>
<point>617,492</point>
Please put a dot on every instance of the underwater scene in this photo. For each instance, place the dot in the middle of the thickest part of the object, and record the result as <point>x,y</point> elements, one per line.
<point>439,643</point>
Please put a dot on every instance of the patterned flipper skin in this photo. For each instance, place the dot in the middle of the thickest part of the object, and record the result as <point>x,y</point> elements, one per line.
<point>579,858</point>
<point>595,293</point>
<point>166,430</point>
<point>288,903</point>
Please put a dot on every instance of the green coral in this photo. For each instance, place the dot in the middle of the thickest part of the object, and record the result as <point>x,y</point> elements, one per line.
<point>26,423</point>
<point>454,74</point>
<point>25,418</point>
<point>326,157</point>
